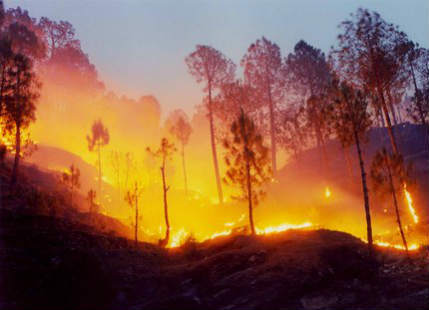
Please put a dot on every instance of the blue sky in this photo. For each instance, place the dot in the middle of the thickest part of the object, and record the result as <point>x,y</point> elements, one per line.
<point>139,46</point>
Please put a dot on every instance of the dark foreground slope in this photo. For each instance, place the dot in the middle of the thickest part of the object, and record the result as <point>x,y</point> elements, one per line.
<point>48,263</point>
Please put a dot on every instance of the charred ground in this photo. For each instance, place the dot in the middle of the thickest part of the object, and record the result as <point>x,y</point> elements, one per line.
<point>57,263</point>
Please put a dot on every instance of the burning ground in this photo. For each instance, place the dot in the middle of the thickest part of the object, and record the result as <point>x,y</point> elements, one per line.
<point>68,260</point>
<point>61,264</point>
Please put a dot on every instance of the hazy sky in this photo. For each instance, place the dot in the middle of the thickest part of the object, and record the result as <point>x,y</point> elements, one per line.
<point>139,46</point>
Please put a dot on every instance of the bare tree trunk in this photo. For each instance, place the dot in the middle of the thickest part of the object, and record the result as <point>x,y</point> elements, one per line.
<point>167,223</point>
<point>365,195</point>
<point>399,113</point>
<point>417,92</point>
<point>387,118</point>
<point>214,153</point>
<point>392,107</point>
<point>395,202</point>
<point>381,118</point>
<point>379,90</point>
<point>418,98</point>
<point>184,169</point>
<point>249,196</point>
<point>17,155</point>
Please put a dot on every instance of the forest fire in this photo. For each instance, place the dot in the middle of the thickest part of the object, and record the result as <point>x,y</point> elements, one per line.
<point>409,200</point>
<point>280,176</point>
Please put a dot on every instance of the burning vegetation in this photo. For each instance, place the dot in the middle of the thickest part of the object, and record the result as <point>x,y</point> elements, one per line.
<point>295,145</point>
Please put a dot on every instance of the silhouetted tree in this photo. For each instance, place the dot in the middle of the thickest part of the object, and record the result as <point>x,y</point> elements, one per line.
<point>247,161</point>
<point>65,61</point>
<point>181,129</point>
<point>232,98</point>
<point>20,101</point>
<point>99,138</point>
<point>25,41</point>
<point>164,153</point>
<point>351,122</point>
<point>388,173</point>
<point>71,179</point>
<point>293,135</point>
<point>93,207</point>
<point>370,56</point>
<point>307,70</point>
<point>24,34</point>
<point>58,35</point>
<point>132,198</point>
<point>316,110</point>
<point>308,75</point>
<point>263,71</point>
<point>211,67</point>
<point>418,61</point>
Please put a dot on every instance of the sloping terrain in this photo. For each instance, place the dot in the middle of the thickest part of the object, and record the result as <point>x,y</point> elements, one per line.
<point>52,263</point>
<point>52,257</point>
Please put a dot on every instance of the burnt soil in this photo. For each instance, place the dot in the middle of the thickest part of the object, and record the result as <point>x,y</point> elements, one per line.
<point>54,263</point>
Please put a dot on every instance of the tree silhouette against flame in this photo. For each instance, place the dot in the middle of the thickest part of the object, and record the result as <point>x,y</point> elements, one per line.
<point>263,70</point>
<point>388,174</point>
<point>210,66</point>
<point>19,102</point>
<point>181,129</point>
<point>164,153</point>
<point>71,179</point>
<point>132,198</point>
<point>248,163</point>
<point>351,121</point>
<point>99,138</point>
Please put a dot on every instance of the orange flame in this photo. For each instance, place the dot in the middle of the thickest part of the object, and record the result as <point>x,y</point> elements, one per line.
<point>179,237</point>
<point>410,204</point>
<point>281,228</point>
<point>328,192</point>
<point>411,247</point>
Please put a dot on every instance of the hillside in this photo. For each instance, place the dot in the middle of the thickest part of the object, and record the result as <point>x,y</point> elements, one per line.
<point>56,264</point>
<point>61,259</point>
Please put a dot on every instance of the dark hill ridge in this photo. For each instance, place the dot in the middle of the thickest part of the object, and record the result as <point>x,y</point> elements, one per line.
<point>51,263</point>
<point>413,142</point>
